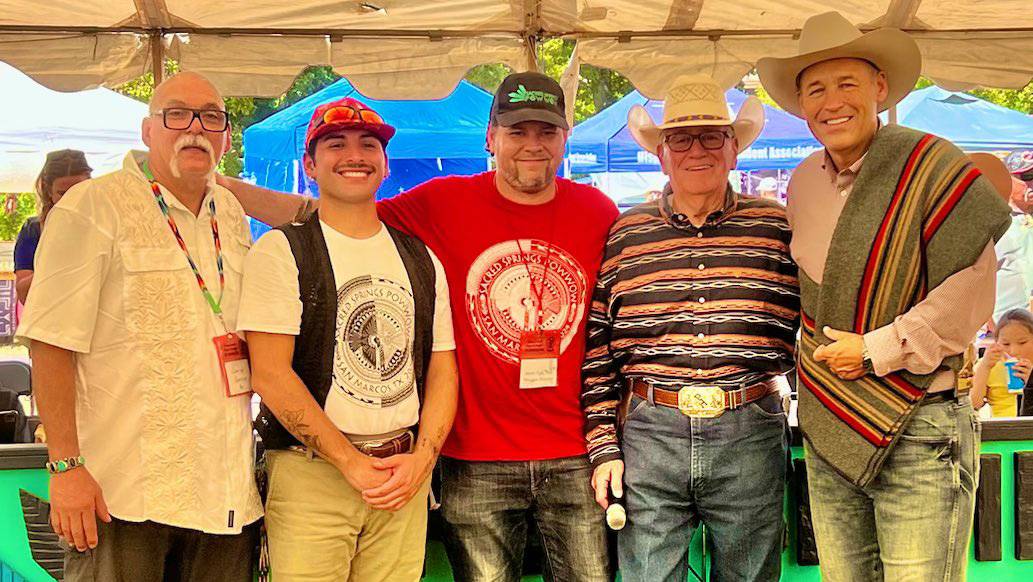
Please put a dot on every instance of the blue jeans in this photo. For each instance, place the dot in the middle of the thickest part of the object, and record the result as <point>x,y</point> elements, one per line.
<point>486,505</point>
<point>726,472</point>
<point>913,522</point>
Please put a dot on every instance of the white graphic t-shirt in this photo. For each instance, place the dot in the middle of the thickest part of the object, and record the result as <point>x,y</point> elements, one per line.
<point>373,390</point>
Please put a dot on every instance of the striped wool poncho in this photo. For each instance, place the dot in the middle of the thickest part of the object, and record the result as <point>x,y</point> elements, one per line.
<point>918,213</point>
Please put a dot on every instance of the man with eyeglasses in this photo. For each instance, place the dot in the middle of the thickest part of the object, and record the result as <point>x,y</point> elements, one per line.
<point>142,386</point>
<point>693,316</point>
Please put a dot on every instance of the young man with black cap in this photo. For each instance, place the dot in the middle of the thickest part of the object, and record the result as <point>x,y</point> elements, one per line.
<point>520,248</point>
<point>353,354</point>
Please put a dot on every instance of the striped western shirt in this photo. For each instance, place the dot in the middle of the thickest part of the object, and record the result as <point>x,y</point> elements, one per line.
<point>677,305</point>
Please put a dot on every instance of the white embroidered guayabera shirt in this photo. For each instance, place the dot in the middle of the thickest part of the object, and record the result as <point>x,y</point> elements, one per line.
<point>158,432</point>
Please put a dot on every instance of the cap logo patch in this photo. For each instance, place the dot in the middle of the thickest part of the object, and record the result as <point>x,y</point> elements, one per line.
<point>522,95</point>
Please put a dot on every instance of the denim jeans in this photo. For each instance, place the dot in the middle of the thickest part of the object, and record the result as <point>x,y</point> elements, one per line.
<point>726,472</point>
<point>914,521</point>
<point>486,505</point>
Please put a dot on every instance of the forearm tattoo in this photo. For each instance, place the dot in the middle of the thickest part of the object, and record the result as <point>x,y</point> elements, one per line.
<point>294,422</point>
<point>434,444</point>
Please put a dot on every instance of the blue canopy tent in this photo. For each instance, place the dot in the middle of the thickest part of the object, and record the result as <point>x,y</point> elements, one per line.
<point>972,124</point>
<point>435,138</point>
<point>604,144</point>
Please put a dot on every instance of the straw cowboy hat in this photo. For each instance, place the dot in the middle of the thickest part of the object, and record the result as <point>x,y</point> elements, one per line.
<point>831,36</point>
<point>694,101</point>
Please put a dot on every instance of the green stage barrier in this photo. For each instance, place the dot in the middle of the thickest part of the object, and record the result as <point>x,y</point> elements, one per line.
<point>1001,549</point>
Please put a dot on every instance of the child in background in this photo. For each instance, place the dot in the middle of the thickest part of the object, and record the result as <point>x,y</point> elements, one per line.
<point>990,377</point>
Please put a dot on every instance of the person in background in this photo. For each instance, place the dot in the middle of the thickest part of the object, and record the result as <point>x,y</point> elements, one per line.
<point>1015,249</point>
<point>1020,164</point>
<point>768,189</point>
<point>62,170</point>
<point>990,381</point>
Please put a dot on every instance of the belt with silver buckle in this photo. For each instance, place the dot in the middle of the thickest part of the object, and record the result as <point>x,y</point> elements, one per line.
<point>379,448</point>
<point>704,401</point>
<point>383,448</point>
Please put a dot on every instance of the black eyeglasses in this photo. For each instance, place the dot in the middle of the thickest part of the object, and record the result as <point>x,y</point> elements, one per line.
<point>182,117</point>
<point>710,140</point>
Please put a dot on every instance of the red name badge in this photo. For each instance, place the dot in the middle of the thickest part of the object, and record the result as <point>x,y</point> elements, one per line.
<point>539,358</point>
<point>233,361</point>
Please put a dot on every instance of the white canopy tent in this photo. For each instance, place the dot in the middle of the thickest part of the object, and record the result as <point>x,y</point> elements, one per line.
<point>35,120</point>
<point>421,49</point>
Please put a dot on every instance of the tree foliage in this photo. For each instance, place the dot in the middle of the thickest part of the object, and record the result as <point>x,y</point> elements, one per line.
<point>488,77</point>
<point>764,97</point>
<point>1019,100</point>
<point>597,89</point>
<point>10,224</point>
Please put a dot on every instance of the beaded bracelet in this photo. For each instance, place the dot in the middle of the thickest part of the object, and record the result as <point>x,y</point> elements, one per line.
<point>63,465</point>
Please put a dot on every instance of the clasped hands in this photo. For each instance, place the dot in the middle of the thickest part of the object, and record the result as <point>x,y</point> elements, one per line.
<point>844,356</point>
<point>389,483</point>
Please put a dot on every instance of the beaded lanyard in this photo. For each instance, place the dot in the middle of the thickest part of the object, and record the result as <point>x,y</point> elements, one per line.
<point>215,305</point>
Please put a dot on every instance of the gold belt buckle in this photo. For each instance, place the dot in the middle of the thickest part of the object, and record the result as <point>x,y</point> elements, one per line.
<point>701,402</point>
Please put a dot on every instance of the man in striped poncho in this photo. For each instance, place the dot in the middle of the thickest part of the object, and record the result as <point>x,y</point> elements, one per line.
<point>893,231</point>
<point>694,314</point>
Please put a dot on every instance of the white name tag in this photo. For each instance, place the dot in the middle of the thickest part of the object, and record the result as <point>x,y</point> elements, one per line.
<point>233,361</point>
<point>539,359</point>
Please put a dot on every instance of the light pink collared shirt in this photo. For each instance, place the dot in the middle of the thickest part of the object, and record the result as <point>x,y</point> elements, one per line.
<point>941,325</point>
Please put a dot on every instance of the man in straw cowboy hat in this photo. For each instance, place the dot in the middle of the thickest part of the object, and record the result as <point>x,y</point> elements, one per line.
<point>893,231</point>
<point>694,314</point>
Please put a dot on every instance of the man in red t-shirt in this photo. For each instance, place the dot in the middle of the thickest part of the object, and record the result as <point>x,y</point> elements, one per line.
<point>521,249</point>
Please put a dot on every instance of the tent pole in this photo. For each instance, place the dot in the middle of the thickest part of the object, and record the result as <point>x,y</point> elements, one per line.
<point>893,115</point>
<point>531,44</point>
<point>157,59</point>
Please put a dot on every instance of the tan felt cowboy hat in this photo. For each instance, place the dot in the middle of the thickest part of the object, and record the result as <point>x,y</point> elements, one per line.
<point>694,101</point>
<point>831,36</point>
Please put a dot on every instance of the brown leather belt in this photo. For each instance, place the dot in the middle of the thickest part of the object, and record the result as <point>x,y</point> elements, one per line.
<point>385,448</point>
<point>704,401</point>
<point>379,448</point>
